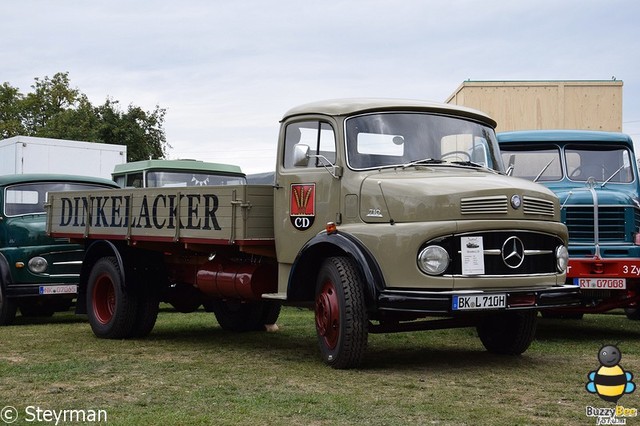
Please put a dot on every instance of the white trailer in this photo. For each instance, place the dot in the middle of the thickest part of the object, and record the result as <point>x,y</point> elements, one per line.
<point>26,154</point>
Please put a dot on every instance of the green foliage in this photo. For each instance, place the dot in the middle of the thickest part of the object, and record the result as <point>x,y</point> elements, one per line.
<point>55,110</point>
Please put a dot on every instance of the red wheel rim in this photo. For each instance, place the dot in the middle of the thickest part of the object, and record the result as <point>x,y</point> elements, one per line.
<point>328,315</point>
<point>104,299</point>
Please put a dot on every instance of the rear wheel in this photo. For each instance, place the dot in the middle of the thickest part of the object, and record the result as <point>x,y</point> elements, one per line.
<point>508,333</point>
<point>551,314</point>
<point>632,313</point>
<point>146,313</point>
<point>248,316</point>
<point>341,319</point>
<point>111,310</point>
<point>8,308</point>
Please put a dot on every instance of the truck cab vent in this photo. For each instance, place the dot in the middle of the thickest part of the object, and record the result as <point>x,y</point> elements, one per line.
<point>532,205</point>
<point>484,205</point>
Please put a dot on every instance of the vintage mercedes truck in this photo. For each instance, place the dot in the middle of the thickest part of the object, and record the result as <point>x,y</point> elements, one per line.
<point>384,216</point>
<point>595,175</point>
<point>38,274</point>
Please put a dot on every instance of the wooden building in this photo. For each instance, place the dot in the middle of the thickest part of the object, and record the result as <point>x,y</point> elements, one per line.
<point>529,105</point>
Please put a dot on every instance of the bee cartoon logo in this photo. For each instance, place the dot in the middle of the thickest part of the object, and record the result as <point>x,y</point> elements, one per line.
<point>610,381</point>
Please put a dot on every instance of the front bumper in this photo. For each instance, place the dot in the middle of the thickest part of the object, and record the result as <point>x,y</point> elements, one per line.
<point>63,290</point>
<point>441,302</point>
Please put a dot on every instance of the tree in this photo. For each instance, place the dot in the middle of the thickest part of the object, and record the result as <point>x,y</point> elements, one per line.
<point>10,117</point>
<point>55,110</point>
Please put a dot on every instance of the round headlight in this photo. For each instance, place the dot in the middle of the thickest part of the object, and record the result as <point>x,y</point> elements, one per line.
<point>562,258</point>
<point>38,264</point>
<point>433,260</point>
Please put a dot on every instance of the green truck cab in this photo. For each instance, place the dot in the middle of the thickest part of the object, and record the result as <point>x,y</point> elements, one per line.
<point>39,273</point>
<point>383,216</point>
<point>161,173</point>
<point>595,176</point>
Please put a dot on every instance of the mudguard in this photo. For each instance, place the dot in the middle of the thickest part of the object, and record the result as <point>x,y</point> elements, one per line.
<point>302,279</point>
<point>95,251</point>
<point>5,272</point>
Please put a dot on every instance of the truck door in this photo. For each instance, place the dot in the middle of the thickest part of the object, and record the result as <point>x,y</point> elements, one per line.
<point>307,193</point>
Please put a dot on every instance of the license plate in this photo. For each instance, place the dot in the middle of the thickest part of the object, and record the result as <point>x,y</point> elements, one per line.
<point>467,303</point>
<point>601,283</point>
<point>58,289</point>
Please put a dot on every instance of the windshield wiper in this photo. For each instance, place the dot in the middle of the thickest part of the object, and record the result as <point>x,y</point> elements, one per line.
<point>423,161</point>
<point>611,177</point>
<point>543,170</point>
<point>468,163</point>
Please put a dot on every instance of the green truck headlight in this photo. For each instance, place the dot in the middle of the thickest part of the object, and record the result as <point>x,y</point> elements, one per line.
<point>433,260</point>
<point>38,264</point>
<point>562,258</point>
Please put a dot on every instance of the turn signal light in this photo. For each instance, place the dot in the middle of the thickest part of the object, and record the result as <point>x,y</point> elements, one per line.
<point>331,228</point>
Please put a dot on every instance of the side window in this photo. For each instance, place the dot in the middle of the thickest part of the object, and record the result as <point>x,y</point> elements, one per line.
<point>318,136</point>
<point>134,180</point>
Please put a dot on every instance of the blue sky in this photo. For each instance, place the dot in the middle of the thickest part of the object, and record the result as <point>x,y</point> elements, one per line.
<point>227,71</point>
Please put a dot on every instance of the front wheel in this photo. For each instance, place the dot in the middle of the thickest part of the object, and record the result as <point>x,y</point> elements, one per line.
<point>632,313</point>
<point>8,308</point>
<point>508,333</point>
<point>341,318</point>
<point>111,310</point>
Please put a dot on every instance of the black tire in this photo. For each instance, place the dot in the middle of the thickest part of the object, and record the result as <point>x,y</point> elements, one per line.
<point>342,323</point>
<point>508,333</point>
<point>632,313</point>
<point>561,315</point>
<point>146,313</point>
<point>111,311</point>
<point>8,308</point>
<point>34,310</point>
<point>238,316</point>
<point>270,312</point>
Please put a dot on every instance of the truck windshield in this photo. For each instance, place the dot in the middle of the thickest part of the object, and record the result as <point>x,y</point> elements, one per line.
<point>604,164</point>
<point>156,179</point>
<point>397,139</point>
<point>29,198</point>
<point>539,164</point>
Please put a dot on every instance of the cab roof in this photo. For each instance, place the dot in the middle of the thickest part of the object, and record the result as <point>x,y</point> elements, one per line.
<point>196,166</point>
<point>352,106</point>
<point>564,136</point>
<point>50,177</point>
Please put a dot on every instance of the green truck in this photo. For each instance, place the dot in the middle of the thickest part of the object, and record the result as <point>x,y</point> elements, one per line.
<point>39,273</point>
<point>384,216</point>
<point>160,173</point>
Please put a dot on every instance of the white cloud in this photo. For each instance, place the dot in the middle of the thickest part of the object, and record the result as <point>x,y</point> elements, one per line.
<point>227,71</point>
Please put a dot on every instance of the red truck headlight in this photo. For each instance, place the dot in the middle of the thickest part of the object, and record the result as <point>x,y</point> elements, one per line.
<point>562,258</point>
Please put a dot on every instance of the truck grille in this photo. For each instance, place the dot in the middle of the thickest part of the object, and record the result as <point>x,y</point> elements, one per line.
<point>539,248</point>
<point>611,224</point>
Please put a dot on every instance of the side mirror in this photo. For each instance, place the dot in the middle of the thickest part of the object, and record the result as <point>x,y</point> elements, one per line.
<point>300,155</point>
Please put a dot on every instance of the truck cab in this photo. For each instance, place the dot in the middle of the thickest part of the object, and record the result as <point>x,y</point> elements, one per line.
<point>167,173</point>
<point>39,273</point>
<point>595,176</point>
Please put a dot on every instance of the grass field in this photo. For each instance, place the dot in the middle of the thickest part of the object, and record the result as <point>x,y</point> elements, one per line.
<point>189,371</point>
